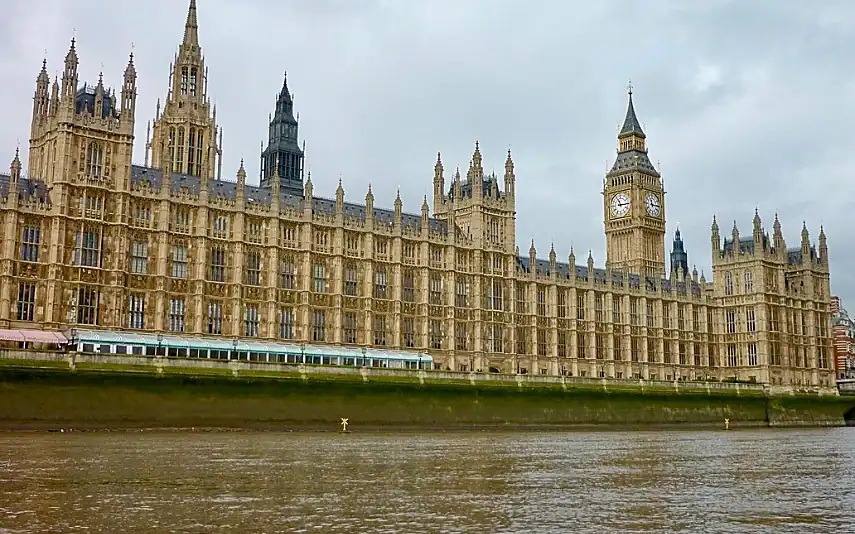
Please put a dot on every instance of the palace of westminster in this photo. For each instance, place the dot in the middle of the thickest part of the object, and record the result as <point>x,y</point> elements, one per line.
<point>88,238</point>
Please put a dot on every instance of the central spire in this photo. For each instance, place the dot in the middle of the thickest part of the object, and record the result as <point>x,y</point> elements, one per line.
<point>631,126</point>
<point>191,27</point>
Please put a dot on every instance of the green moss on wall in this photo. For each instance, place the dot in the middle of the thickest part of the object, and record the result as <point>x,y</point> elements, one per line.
<point>86,398</point>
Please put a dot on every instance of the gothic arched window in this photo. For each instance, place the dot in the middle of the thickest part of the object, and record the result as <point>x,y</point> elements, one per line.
<point>191,151</point>
<point>193,81</point>
<point>179,155</point>
<point>171,145</point>
<point>94,160</point>
<point>184,80</point>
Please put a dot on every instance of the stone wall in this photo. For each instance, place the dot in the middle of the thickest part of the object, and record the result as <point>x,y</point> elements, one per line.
<point>56,390</point>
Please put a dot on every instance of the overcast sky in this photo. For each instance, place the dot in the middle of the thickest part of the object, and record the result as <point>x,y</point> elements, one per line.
<point>745,103</point>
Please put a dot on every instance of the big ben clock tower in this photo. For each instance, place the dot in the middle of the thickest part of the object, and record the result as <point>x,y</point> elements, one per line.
<point>634,205</point>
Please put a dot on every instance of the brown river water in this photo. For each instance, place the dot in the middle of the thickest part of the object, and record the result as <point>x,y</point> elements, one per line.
<point>799,481</point>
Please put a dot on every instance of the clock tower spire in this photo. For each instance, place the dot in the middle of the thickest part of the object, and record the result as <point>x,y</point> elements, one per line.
<point>634,204</point>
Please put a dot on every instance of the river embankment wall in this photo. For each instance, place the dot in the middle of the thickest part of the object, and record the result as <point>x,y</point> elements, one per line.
<point>54,390</point>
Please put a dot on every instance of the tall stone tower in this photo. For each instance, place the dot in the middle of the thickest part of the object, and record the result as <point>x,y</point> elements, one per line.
<point>184,133</point>
<point>81,143</point>
<point>484,214</point>
<point>82,133</point>
<point>282,150</point>
<point>634,205</point>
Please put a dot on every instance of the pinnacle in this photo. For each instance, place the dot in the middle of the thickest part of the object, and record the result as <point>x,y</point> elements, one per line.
<point>191,27</point>
<point>631,126</point>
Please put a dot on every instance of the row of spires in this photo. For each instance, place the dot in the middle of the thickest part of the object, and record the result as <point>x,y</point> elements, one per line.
<point>309,189</point>
<point>571,260</point>
<point>48,98</point>
<point>474,176</point>
<point>777,245</point>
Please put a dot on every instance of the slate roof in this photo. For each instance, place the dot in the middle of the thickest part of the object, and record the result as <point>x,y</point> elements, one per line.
<point>27,189</point>
<point>563,271</point>
<point>262,195</point>
<point>84,102</point>
<point>630,123</point>
<point>634,159</point>
<point>487,184</point>
<point>746,246</point>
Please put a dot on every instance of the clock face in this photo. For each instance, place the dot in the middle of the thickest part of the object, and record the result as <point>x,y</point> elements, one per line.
<point>620,205</point>
<point>651,201</point>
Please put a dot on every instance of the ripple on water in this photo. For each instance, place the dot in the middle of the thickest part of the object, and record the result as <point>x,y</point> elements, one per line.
<point>745,481</point>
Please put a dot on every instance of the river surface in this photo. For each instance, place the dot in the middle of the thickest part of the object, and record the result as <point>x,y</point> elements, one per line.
<point>799,481</point>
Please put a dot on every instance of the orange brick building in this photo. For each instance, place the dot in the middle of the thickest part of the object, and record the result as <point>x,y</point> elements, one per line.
<point>843,333</point>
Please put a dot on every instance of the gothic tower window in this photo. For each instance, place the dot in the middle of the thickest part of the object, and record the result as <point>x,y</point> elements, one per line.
<point>351,280</point>
<point>435,333</point>
<point>179,260</point>
<point>319,271</point>
<point>184,80</point>
<point>408,286</point>
<point>176,314</point>
<point>728,284</point>
<point>179,156</point>
<point>191,151</point>
<point>139,256</point>
<point>253,268</point>
<point>215,317</point>
<point>94,160</point>
<point>87,248</point>
<point>87,305</point>
<point>380,283</point>
<point>379,328</point>
<point>319,325</point>
<point>172,144</point>
<point>199,144</point>
<point>193,81</point>
<point>286,323</point>
<point>26,301</point>
<point>30,242</point>
<point>251,320</point>
<point>136,311</point>
<point>288,272</point>
<point>408,332</point>
<point>218,264</point>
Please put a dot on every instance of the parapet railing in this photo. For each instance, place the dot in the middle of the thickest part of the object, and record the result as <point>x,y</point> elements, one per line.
<point>236,367</point>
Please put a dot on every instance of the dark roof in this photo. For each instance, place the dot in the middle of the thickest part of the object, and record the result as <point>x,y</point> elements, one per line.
<point>487,184</point>
<point>84,102</point>
<point>631,126</point>
<point>794,255</point>
<point>262,195</point>
<point>634,159</point>
<point>27,189</point>
<point>563,271</point>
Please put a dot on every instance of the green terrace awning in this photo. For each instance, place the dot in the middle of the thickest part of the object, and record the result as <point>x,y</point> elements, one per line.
<point>107,337</point>
<point>245,345</point>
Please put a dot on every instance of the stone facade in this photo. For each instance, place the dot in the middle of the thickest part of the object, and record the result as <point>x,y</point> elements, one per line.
<point>90,239</point>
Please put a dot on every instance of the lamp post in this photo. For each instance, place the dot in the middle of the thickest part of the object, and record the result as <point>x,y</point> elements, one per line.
<point>159,344</point>
<point>420,361</point>
<point>364,364</point>
<point>302,352</point>
<point>234,349</point>
<point>674,372</point>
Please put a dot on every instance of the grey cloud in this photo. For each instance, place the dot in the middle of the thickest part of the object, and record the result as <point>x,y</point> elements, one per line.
<point>746,104</point>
